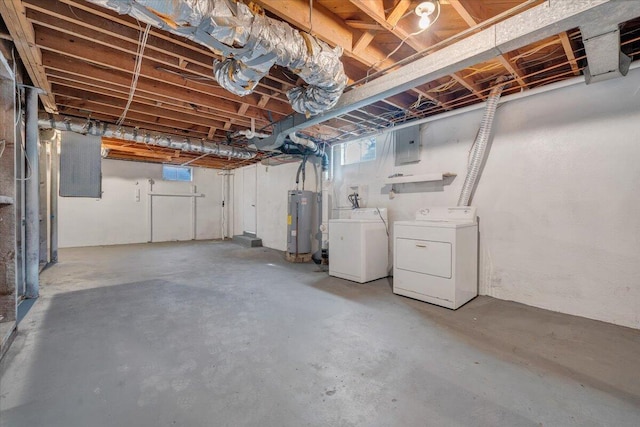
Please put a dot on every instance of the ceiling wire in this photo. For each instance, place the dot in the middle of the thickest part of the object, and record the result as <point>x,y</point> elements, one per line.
<point>311,17</point>
<point>142,43</point>
<point>402,42</point>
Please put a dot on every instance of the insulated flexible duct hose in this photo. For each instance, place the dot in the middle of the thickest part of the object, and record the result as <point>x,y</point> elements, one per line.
<point>89,127</point>
<point>251,44</point>
<point>480,145</point>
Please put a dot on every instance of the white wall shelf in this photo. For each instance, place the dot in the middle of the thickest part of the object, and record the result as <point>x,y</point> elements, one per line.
<point>405,179</point>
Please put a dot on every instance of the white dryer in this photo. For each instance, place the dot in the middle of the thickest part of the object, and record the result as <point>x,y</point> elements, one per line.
<point>359,245</point>
<point>436,256</point>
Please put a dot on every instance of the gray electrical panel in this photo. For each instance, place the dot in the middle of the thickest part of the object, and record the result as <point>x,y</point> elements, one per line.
<point>80,166</point>
<point>299,221</point>
<point>407,147</point>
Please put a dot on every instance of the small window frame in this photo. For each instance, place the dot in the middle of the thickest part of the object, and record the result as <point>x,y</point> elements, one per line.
<point>358,151</point>
<point>177,173</point>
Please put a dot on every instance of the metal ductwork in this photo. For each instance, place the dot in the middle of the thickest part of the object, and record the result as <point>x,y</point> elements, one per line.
<point>90,127</point>
<point>251,43</point>
<point>604,58</point>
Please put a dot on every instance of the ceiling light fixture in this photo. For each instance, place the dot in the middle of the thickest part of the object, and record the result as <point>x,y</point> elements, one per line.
<point>424,10</point>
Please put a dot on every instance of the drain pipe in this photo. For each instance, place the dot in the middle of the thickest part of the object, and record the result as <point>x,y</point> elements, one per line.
<point>32,195</point>
<point>480,144</point>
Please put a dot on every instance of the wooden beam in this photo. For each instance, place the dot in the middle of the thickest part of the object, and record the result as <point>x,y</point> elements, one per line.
<point>327,27</point>
<point>363,25</point>
<point>264,99</point>
<point>463,12</point>
<point>58,66</point>
<point>79,112</point>
<point>505,61</point>
<point>158,112</point>
<point>93,16</point>
<point>469,84</point>
<point>15,18</point>
<point>372,10</point>
<point>513,69</point>
<point>137,151</point>
<point>243,109</point>
<point>324,24</point>
<point>568,50</point>
<point>151,73</point>
<point>212,132</point>
<point>296,12</point>
<point>98,91</point>
<point>398,12</point>
<point>102,49</point>
<point>363,41</point>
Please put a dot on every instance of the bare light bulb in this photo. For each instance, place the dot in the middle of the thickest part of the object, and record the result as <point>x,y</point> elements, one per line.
<point>424,22</point>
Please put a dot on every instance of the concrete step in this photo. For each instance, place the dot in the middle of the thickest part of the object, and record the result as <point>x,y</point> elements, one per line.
<point>248,240</point>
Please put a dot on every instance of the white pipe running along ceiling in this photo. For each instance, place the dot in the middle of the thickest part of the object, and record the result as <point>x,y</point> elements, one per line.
<point>223,25</point>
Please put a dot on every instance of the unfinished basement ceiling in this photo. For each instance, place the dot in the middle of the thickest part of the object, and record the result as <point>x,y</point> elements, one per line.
<point>88,57</point>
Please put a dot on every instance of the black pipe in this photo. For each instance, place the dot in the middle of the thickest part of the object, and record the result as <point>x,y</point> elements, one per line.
<point>291,148</point>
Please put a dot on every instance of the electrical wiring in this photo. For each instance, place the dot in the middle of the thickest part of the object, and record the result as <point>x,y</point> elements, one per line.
<point>443,87</point>
<point>311,17</point>
<point>484,69</point>
<point>386,228</point>
<point>353,199</point>
<point>534,50</point>
<point>544,58</point>
<point>402,42</point>
<point>15,134</point>
<point>142,43</point>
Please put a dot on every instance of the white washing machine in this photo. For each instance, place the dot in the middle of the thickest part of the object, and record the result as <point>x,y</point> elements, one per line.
<point>436,256</point>
<point>359,245</point>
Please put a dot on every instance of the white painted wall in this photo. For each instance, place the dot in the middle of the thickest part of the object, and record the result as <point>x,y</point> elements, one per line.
<point>558,201</point>
<point>118,218</point>
<point>558,204</point>
<point>273,182</point>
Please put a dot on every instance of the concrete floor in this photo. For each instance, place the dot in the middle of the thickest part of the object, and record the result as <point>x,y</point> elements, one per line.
<point>211,333</point>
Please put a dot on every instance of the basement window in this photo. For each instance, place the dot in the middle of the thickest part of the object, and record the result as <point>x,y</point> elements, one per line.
<point>361,150</point>
<point>177,173</point>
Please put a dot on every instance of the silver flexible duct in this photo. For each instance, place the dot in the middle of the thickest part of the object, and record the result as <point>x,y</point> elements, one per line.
<point>89,127</point>
<point>480,144</point>
<point>251,43</point>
